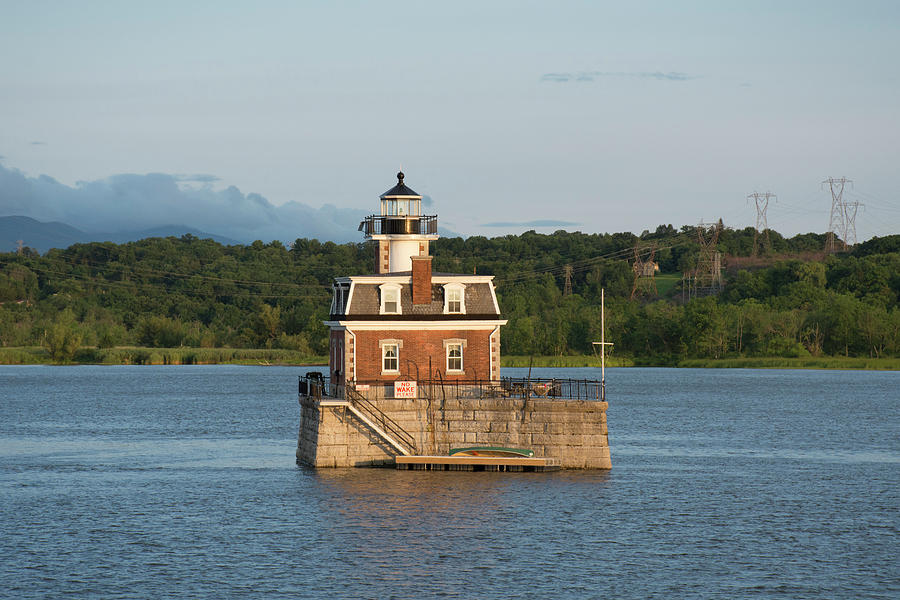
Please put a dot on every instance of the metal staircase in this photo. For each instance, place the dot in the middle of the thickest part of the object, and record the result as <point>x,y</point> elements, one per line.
<point>388,429</point>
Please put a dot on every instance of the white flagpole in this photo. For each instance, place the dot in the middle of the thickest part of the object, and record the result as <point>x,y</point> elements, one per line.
<point>602,345</point>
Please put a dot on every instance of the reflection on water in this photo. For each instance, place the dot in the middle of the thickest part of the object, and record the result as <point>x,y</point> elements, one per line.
<point>435,496</point>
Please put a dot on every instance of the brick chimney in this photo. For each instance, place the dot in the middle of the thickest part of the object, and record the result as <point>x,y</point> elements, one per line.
<point>421,279</point>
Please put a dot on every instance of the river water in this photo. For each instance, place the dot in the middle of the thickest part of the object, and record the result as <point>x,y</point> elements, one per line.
<point>180,482</point>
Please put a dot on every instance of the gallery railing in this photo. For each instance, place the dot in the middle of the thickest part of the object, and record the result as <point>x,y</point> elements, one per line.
<point>506,387</point>
<point>414,225</point>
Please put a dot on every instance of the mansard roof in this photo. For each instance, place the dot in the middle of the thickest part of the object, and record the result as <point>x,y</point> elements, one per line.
<point>365,301</point>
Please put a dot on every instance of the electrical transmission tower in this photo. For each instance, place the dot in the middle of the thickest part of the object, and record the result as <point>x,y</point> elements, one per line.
<point>850,209</point>
<point>20,246</point>
<point>843,216</point>
<point>707,277</point>
<point>762,224</point>
<point>644,273</point>
<point>567,289</point>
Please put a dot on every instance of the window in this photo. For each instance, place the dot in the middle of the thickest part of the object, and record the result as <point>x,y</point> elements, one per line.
<point>390,358</point>
<point>454,350</point>
<point>454,357</point>
<point>454,298</point>
<point>339,303</point>
<point>390,299</point>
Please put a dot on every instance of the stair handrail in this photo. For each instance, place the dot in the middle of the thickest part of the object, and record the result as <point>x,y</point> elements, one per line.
<point>388,424</point>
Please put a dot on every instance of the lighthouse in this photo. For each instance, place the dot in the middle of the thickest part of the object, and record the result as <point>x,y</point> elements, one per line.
<point>406,322</point>
<point>414,370</point>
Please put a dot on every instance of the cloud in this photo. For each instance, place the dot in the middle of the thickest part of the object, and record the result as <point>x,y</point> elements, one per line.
<point>36,143</point>
<point>130,202</point>
<point>197,178</point>
<point>588,76</point>
<point>538,223</point>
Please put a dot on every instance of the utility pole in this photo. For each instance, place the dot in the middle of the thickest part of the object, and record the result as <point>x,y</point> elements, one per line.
<point>567,289</point>
<point>837,223</point>
<point>762,224</point>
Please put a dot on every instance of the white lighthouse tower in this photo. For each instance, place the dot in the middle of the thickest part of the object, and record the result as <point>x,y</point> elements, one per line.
<point>402,231</point>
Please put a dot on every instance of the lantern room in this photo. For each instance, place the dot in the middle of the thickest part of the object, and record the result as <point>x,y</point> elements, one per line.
<point>401,230</point>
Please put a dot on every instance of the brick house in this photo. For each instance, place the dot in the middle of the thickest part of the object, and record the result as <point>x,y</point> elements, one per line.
<point>406,322</point>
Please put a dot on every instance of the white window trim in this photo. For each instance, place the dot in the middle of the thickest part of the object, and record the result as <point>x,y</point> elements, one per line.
<point>385,287</point>
<point>462,298</point>
<point>381,345</point>
<point>462,355</point>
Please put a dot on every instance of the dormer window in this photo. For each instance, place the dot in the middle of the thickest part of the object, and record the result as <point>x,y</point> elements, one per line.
<point>454,298</point>
<point>390,299</point>
<point>339,303</point>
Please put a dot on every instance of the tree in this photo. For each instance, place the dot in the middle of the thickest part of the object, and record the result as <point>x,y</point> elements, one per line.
<point>63,338</point>
<point>268,322</point>
<point>160,332</point>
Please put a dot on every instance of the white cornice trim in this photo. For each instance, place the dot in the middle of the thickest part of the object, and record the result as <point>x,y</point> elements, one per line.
<point>413,325</point>
<point>350,297</point>
<point>493,297</point>
<point>407,278</point>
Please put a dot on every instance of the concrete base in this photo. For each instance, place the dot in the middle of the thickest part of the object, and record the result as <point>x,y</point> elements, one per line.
<point>572,431</point>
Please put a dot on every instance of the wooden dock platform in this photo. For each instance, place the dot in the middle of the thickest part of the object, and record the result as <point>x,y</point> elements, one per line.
<point>476,463</point>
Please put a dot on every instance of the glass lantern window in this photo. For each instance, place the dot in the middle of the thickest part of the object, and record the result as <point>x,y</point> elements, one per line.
<point>400,207</point>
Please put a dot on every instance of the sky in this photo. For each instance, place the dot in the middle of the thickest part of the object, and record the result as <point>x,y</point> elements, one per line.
<point>588,116</point>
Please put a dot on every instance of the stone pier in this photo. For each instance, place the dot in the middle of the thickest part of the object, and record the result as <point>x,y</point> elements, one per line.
<point>573,431</point>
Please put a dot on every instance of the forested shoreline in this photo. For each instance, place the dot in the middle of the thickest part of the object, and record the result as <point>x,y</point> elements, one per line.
<point>103,302</point>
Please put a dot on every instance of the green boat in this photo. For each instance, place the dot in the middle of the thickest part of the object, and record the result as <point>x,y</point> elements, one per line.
<point>492,451</point>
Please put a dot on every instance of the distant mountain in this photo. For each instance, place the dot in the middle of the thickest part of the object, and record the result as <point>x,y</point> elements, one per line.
<point>121,237</point>
<point>37,235</point>
<point>42,236</point>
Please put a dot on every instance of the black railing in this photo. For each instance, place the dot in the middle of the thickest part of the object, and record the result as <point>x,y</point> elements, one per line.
<point>506,387</point>
<point>414,225</point>
<point>569,389</point>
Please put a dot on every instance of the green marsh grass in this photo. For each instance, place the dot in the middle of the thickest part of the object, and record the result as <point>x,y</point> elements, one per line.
<point>164,356</point>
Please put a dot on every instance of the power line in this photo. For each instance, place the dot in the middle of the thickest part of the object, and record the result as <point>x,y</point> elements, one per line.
<point>130,285</point>
<point>588,263</point>
<point>106,269</point>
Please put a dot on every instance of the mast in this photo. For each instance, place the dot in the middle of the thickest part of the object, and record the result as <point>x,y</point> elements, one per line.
<point>602,345</point>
